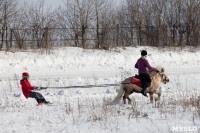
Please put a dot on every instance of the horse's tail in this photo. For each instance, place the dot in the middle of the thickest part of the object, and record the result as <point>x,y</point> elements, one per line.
<point>119,95</point>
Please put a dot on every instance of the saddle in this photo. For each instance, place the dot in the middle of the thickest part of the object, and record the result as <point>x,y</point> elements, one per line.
<point>136,81</point>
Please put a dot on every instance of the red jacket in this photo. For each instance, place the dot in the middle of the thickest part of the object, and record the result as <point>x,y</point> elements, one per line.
<point>26,87</point>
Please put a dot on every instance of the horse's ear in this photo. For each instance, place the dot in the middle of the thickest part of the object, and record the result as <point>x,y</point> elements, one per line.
<point>163,70</point>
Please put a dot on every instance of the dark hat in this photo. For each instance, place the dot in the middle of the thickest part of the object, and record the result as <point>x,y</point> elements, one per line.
<point>144,53</point>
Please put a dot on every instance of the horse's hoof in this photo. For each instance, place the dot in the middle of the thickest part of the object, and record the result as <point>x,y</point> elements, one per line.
<point>157,99</point>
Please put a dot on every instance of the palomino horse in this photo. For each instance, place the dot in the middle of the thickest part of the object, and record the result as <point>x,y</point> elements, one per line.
<point>128,88</point>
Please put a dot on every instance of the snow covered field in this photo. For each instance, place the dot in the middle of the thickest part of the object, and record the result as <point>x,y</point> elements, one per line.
<point>85,110</point>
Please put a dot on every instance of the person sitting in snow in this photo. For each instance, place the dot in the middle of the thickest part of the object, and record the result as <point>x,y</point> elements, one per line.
<point>143,65</point>
<point>27,90</point>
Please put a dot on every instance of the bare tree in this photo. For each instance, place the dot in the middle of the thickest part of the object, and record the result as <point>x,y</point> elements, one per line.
<point>162,22</point>
<point>7,17</point>
<point>103,13</point>
<point>100,24</point>
<point>34,25</point>
<point>77,15</point>
<point>134,18</point>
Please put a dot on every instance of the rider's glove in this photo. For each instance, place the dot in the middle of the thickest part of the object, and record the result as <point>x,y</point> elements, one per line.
<point>43,88</point>
<point>37,88</point>
<point>40,88</point>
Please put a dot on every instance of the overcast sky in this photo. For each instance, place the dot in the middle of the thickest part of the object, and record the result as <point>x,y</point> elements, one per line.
<point>48,3</point>
<point>51,3</point>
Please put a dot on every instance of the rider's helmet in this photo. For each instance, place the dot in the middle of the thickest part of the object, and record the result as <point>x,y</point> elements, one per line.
<point>144,53</point>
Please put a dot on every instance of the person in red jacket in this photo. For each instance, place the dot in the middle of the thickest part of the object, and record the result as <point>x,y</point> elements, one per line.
<point>143,65</point>
<point>27,90</point>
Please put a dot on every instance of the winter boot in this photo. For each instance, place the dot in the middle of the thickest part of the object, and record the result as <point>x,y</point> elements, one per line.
<point>146,85</point>
<point>40,104</point>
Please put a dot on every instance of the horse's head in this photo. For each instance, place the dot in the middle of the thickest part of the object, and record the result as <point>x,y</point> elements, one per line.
<point>163,75</point>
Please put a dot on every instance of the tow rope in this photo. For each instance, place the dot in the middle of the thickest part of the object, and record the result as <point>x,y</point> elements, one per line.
<point>85,86</point>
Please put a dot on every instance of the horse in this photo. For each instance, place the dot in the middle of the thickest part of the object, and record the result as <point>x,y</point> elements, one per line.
<point>127,87</point>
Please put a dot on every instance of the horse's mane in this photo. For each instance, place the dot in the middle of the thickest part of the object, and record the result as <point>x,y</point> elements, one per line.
<point>154,74</point>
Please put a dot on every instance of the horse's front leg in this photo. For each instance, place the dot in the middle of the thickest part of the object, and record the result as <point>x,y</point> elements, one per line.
<point>151,97</point>
<point>159,94</point>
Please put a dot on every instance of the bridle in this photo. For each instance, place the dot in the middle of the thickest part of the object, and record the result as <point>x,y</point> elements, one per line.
<point>162,75</point>
<point>164,78</point>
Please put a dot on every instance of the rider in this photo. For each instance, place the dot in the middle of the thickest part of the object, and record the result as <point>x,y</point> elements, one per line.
<point>143,65</point>
<point>27,90</point>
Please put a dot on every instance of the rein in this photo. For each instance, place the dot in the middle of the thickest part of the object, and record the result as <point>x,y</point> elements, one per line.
<point>159,75</point>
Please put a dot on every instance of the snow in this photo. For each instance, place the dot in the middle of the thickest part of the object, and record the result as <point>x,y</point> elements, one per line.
<point>86,109</point>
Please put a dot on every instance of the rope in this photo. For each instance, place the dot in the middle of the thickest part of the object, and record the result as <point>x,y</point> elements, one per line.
<point>85,86</point>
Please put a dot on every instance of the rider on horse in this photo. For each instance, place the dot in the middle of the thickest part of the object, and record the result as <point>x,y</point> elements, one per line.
<point>143,65</point>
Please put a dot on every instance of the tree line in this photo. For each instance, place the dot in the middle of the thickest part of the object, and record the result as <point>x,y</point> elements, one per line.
<point>100,24</point>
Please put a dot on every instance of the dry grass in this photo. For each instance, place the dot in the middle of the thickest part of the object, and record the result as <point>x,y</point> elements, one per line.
<point>97,110</point>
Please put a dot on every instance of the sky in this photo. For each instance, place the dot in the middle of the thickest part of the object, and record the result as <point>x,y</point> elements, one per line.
<point>53,3</point>
<point>48,3</point>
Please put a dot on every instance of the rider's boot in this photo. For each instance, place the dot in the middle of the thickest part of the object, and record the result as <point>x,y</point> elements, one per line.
<point>146,85</point>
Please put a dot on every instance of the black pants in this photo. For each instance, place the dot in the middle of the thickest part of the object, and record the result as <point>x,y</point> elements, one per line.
<point>38,97</point>
<point>146,80</point>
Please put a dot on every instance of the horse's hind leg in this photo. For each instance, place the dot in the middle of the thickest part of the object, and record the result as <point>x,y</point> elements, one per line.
<point>124,99</point>
<point>126,96</point>
<point>129,100</point>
